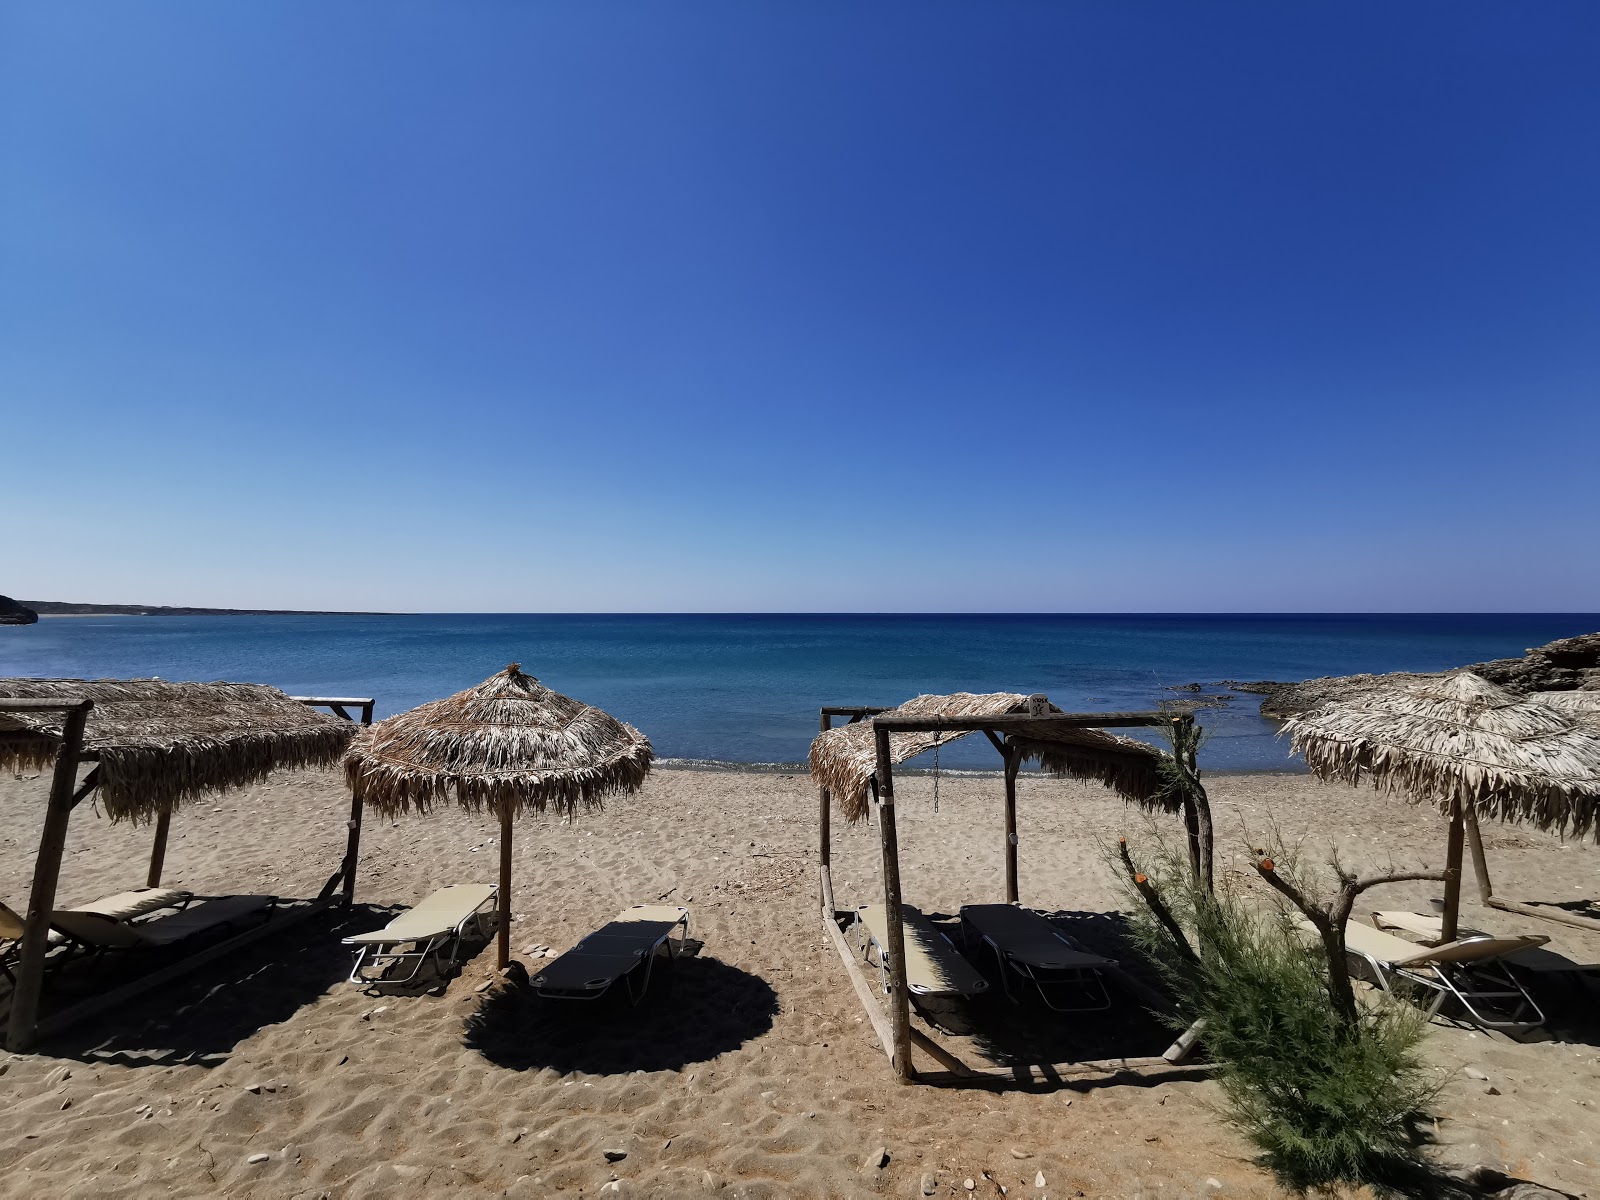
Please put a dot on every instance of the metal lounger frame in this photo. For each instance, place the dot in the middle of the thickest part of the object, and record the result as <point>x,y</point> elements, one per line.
<point>1088,978</point>
<point>1443,986</point>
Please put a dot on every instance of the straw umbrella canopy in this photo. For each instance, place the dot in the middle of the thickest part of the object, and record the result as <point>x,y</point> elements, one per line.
<point>506,746</point>
<point>1465,745</point>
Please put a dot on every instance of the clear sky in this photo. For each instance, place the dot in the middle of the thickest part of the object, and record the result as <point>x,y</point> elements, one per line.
<point>743,306</point>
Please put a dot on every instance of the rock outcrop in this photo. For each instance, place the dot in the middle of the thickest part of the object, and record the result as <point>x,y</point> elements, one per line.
<point>1561,666</point>
<point>12,613</point>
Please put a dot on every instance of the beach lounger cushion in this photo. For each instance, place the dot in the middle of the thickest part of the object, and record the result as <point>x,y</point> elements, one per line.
<point>614,951</point>
<point>934,967</point>
<point>1026,936</point>
<point>440,915</point>
<point>125,906</point>
<point>435,926</point>
<point>1027,943</point>
<point>100,931</point>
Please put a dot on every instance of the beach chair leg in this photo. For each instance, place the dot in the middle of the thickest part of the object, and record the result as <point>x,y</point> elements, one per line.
<point>1517,1015</point>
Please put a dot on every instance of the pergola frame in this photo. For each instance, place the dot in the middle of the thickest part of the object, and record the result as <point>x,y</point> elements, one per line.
<point>25,1025</point>
<point>896,1034</point>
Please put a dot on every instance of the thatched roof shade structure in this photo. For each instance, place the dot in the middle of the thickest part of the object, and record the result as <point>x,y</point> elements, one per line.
<point>1582,706</point>
<point>153,746</point>
<point>1467,746</point>
<point>508,745</point>
<point>844,759</point>
<point>157,745</point>
<point>859,757</point>
<point>1460,740</point>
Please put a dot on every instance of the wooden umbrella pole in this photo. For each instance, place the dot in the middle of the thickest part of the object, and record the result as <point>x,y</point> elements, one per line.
<point>1480,864</point>
<point>1013,762</point>
<point>46,873</point>
<point>504,932</point>
<point>1452,882</point>
<point>158,851</point>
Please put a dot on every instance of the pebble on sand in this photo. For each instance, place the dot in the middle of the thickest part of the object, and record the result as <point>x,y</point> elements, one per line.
<point>614,1154</point>
<point>1038,1179</point>
<point>257,1158</point>
<point>878,1158</point>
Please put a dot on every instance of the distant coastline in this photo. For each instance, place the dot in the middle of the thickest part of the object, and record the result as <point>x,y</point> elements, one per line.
<point>60,608</point>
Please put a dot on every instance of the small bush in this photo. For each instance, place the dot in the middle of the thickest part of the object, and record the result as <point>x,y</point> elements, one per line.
<point>1324,1101</point>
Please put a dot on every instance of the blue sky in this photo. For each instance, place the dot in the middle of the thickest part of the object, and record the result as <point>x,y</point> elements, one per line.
<point>758,306</point>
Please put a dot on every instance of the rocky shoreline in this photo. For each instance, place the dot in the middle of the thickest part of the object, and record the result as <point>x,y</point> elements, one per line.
<point>1567,664</point>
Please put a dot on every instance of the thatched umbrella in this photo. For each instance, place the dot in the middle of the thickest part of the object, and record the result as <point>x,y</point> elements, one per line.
<point>1467,746</point>
<point>508,745</point>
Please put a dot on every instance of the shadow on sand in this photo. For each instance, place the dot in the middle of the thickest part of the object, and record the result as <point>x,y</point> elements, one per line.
<point>200,1018</point>
<point>694,1011</point>
<point>1017,1029</point>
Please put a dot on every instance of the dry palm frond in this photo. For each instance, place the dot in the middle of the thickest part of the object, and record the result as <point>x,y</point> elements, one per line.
<point>1460,739</point>
<point>506,745</point>
<point>1582,706</point>
<point>159,744</point>
<point>844,759</point>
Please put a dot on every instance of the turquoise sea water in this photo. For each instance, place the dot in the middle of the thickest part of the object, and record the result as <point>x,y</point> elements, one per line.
<point>746,689</point>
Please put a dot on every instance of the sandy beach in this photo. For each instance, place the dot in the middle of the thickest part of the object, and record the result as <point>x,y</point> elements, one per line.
<point>753,1073</point>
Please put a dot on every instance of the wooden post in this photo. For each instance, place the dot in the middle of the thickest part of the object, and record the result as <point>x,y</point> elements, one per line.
<point>158,852</point>
<point>825,843</point>
<point>1480,864</point>
<point>1013,763</point>
<point>504,932</point>
<point>1452,880</point>
<point>899,993</point>
<point>46,874</point>
<point>352,844</point>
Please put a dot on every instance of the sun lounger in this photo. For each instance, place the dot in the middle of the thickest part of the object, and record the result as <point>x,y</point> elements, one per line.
<point>1025,942</point>
<point>934,967</point>
<point>1470,969</point>
<point>432,928</point>
<point>616,951</point>
<point>123,906</point>
<point>100,932</point>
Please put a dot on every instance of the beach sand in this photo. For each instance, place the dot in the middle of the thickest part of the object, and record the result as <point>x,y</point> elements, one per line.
<point>752,1074</point>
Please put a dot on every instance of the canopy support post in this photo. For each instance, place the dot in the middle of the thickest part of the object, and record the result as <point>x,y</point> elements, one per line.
<point>1013,762</point>
<point>899,994</point>
<point>158,850</point>
<point>825,844</point>
<point>1452,879</point>
<point>46,874</point>
<point>352,845</point>
<point>1480,864</point>
<point>503,933</point>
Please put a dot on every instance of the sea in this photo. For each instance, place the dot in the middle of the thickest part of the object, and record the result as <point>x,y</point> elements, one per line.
<point>745,689</point>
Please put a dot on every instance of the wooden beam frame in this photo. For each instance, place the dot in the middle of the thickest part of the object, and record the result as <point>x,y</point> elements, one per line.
<point>340,706</point>
<point>24,1025</point>
<point>1480,866</point>
<point>894,1029</point>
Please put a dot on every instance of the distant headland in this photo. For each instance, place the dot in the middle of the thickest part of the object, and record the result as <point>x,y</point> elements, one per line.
<point>59,608</point>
